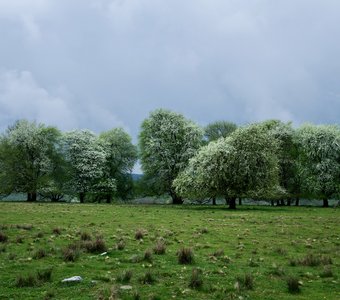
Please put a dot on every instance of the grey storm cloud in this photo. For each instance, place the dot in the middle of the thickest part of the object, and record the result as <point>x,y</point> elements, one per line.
<point>100,64</point>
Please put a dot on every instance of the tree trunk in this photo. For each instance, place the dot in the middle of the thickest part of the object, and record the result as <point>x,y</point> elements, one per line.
<point>297,201</point>
<point>32,197</point>
<point>289,202</point>
<point>325,202</point>
<point>232,203</point>
<point>227,200</point>
<point>108,198</point>
<point>271,202</point>
<point>175,198</point>
<point>239,201</point>
<point>282,202</point>
<point>82,197</point>
<point>214,201</point>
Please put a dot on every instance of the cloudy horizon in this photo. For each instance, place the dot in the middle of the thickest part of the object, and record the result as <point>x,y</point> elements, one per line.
<point>100,64</point>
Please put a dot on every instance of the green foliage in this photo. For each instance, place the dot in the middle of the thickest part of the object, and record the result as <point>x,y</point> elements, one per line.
<point>28,157</point>
<point>244,164</point>
<point>167,141</point>
<point>218,129</point>
<point>288,154</point>
<point>320,159</point>
<point>121,158</point>
<point>87,159</point>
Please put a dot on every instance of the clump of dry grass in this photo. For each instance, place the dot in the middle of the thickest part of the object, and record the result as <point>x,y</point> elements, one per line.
<point>148,256</point>
<point>56,231</point>
<point>96,246</point>
<point>40,253</point>
<point>3,237</point>
<point>139,234</point>
<point>85,236</point>
<point>121,245</point>
<point>19,239</point>
<point>71,253</point>
<point>293,285</point>
<point>326,272</point>
<point>147,278</point>
<point>25,226</point>
<point>125,277</point>
<point>246,281</point>
<point>159,248</point>
<point>185,256</point>
<point>196,280</point>
<point>312,260</point>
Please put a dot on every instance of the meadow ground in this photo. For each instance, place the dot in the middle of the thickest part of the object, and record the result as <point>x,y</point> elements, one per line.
<point>168,252</point>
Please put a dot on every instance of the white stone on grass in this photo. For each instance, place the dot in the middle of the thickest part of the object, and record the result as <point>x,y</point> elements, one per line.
<point>73,279</point>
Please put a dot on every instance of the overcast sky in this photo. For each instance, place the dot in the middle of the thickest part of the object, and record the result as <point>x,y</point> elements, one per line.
<point>99,64</point>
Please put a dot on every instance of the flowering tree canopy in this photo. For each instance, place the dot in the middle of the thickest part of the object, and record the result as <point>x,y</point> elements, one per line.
<point>167,141</point>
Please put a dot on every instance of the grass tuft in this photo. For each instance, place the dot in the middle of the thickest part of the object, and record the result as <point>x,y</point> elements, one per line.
<point>311,260</point>
<point>246,281</point>
<point>125,277</point>
<point>121,245</point>
<point>44,275</point>
<point>85,236</point>
<point>19,239</point>
<point>147,278</point>
<point>196,280</point>
<point>29,280</point>
<point>25,226</point>
<point>326,272</point>
<point>56,231</point>
<point>40,253</point>
<point>139,234</point>
<point>148,256</point>
<point>96,246</point>
<point>185,256</point>
<point>159,248</point>
<point>3,237</point>
<point>218,253</point>
<point>293,285</point>
<point>71,253</point>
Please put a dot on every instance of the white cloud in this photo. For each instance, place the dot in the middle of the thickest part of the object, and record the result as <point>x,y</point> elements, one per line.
<point>22,97</point>
<point>223,59</point>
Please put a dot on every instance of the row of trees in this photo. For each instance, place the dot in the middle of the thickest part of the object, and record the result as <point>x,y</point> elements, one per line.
<point>268,160</point>
<point>35,159</point>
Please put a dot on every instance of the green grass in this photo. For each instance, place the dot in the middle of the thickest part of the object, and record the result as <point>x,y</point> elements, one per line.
<point>269,245</point>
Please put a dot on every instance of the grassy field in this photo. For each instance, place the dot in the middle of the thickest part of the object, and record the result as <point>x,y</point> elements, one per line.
<point>250,253</point>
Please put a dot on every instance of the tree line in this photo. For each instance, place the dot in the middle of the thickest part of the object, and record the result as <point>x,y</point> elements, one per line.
<point>269,160</point>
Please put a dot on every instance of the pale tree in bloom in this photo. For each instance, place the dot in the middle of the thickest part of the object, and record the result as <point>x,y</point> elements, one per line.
<point>120,160</point>
<point>28,152</point>
<point>87,159</point>
<point>320,157</point>
<point>244,164</point>
<point>167,141</point>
